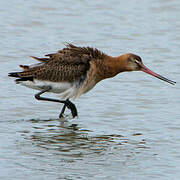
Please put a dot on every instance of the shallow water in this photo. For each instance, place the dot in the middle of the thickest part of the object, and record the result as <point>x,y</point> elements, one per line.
<point>128,127</point>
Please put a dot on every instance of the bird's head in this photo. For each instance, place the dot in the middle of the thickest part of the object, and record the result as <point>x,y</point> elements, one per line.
<point>134,63</point>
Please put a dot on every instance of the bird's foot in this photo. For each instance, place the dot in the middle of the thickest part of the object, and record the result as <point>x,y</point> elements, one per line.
<point>72,107</point>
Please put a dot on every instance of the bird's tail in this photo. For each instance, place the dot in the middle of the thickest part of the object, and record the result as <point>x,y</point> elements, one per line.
<point>20,78</point>
<point>13,74</point>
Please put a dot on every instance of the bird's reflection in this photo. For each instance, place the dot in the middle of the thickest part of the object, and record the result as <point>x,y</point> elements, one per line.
<point>73,140</point>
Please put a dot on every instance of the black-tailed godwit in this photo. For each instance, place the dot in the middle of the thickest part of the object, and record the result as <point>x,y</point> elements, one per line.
<point>74,70</point>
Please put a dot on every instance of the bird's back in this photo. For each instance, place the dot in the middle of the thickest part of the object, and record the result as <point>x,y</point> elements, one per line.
<point>68,64</point>
<point>71,65</point>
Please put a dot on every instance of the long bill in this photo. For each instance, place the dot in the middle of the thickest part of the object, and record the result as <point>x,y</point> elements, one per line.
<point>148,71</point>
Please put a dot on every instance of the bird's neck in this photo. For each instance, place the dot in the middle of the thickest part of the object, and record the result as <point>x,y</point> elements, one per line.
<point>112,66</point>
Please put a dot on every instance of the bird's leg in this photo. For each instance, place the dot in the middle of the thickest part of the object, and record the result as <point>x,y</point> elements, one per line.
<point>62,111</point>
<point>70,106</point>
<point>66,103</point>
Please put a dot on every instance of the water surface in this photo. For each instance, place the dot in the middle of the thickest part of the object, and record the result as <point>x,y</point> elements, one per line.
<point>128,127</point>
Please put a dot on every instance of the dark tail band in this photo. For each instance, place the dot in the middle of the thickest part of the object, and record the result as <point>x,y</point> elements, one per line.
<point>13,74</point>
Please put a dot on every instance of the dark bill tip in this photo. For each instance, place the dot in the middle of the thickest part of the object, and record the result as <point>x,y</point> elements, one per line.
<point>148,71</point>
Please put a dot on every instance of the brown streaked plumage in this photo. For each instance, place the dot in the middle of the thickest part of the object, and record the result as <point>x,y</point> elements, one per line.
<point>74,70</point>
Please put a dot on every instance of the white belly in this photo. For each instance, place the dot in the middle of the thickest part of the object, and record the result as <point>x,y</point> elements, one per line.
<point>65,89</point>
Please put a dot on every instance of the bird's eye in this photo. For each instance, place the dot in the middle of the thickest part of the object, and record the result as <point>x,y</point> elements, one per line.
<point>136,61</point>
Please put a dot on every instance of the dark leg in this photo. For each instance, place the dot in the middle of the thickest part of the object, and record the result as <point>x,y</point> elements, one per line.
<point>66,103</point>
<point>70,106</point>
<point>62,111</point>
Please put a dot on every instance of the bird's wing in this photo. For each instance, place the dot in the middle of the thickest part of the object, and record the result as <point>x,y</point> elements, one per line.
<point>69,64</point>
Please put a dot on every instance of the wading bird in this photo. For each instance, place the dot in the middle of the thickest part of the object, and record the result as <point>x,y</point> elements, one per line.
<point>74,70</point>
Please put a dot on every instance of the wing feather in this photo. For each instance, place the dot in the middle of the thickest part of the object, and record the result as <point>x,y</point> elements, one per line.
<point>69,64</point>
